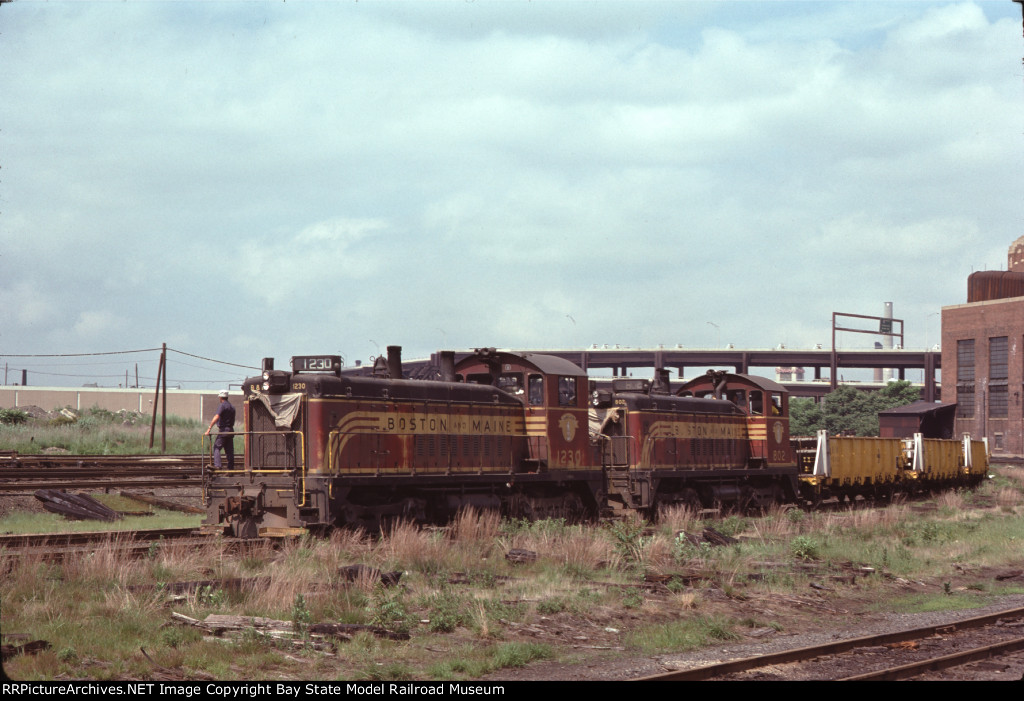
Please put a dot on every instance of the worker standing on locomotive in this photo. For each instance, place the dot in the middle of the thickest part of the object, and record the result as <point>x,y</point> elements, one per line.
<point>225,422</point>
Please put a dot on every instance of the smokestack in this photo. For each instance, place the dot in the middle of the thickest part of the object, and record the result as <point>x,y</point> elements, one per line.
<point>395,362</point>
<point>887,340</point>
<point>661,381</point>
<point>448,366</point>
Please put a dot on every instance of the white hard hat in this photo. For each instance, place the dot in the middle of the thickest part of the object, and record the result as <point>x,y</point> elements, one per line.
<point>223,394</point>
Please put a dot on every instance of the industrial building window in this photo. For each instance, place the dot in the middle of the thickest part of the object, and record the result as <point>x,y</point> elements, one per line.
<point>965,379</point>
<point>997,358</point>
<point>997,404</point>
<point>965,361</point>
<point>965,402</point>
<point>997,377</point>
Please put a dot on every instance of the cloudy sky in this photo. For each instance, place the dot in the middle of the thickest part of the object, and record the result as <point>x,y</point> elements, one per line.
<point>250,179</point>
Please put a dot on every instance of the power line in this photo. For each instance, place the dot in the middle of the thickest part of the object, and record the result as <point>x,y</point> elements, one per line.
<point>124,352</point>
<point>211,360</point>
<point>33,368</point>
<point>74,355</point>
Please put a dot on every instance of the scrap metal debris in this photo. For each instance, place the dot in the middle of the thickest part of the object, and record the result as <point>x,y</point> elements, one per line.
<point>75,506</point>
<point>218,624</point>
<point>30,648</point>
<point>353,573</point>
<point>518,556</point>
<point>163,503</point>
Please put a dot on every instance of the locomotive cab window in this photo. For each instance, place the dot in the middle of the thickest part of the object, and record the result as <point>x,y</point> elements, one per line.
<point>778,407</point>
<point>566,391</point>
<point>479,378</point>
<point>737,397</point>
<point>511,382</point>
<point>756,402</point>
<point>536,390</point>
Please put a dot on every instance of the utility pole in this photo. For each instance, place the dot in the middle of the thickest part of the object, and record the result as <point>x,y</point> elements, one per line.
<point>156,398</point>
<point>163,411</point>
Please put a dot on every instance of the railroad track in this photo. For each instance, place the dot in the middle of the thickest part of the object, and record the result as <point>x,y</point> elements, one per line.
<point>25,473</point>
<point>59,545</point>
<point>888,656</point>
<point>12,459</point>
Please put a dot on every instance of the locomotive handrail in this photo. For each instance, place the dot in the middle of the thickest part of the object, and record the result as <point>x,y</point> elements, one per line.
<point>632,444</point>
<point>251,454</point>
<point>301,463</point>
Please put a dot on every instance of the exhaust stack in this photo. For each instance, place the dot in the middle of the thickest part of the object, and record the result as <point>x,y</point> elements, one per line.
<point>395,362</point>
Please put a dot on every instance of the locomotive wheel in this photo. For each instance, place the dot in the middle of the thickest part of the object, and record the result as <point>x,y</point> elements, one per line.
<point>690,499</point>
<point>811,500</point>
<point>748,502</point>
<point>776,497</point>
<point>572,508</point>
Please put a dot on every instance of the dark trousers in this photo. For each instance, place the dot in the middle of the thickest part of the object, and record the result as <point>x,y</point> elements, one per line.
<point>227,442</point>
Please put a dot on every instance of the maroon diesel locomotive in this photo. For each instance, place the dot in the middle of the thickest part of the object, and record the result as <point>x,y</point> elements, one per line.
<point>524,433</point>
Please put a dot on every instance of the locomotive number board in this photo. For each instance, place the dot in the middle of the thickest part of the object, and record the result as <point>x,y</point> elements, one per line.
<point>316,363</point>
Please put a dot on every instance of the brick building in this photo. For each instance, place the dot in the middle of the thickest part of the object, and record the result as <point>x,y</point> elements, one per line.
<point>983,356</point>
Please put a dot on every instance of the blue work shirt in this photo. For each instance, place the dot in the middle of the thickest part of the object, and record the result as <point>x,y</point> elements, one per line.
<point>226,416</point>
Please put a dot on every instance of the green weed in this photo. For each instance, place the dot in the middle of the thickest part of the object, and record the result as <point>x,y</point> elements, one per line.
<point>520,654</point>
<point>805,548</point>
<point>679,636</point>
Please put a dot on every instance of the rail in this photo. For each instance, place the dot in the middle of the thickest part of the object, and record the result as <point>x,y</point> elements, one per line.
<point>832,648</point>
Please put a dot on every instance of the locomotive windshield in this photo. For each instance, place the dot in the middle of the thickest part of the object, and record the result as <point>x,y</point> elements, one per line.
<point>511,382</point>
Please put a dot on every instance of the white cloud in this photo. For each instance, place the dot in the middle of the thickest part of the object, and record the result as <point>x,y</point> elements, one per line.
<point>26,305</point>
<point>93,325</point>
<point>314,268</point>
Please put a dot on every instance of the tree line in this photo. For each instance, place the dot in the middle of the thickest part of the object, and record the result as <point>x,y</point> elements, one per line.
<point>849,410</point>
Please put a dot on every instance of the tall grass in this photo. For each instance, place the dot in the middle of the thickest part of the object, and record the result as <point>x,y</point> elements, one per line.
<point>101,432</point>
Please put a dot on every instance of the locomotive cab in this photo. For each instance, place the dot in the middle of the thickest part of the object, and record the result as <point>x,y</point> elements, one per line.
<point>554,396</point>
<point>766,406</point>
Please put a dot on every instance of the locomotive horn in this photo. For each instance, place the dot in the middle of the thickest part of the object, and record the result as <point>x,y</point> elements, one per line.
<point>717,382</point>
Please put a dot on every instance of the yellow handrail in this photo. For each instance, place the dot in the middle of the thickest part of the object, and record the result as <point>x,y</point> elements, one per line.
<point>250,454</point>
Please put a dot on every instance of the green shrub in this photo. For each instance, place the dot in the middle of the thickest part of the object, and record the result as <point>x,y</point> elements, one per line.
<point>301,615</point>
<point>447,612</point>
<point>11,417</point>
<point>627,537</point>
<point>805,548</point>
<point>387,610</point>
